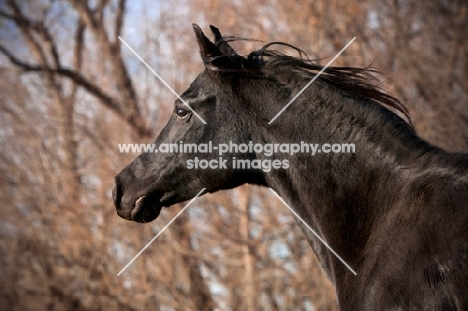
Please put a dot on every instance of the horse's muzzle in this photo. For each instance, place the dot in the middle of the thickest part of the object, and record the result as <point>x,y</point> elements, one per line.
<point>140,208</point>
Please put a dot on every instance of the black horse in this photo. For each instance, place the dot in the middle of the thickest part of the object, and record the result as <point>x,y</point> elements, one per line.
<point>396,210</point>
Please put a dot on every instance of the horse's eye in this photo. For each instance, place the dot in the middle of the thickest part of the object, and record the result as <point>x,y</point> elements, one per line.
<point>181,113</point>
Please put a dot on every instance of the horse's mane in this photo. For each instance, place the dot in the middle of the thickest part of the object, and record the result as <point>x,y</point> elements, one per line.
<point>353,81</point>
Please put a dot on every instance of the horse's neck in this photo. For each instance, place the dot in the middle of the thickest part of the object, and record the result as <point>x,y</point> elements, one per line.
<point>341,195</point>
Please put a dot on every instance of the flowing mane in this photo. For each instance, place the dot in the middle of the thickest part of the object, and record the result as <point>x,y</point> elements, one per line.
<point>352,81</point>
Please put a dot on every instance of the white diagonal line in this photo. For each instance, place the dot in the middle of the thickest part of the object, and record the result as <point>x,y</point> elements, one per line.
<point>162,230</point>
<point>161,79</point>
<point>315,233</point>
<point>311,81</point>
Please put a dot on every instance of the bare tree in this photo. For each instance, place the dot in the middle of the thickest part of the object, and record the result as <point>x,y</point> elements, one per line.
<point>71,92</point>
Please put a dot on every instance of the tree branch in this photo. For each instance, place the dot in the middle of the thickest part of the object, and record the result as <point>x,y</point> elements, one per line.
<point>84,13</point>
<point>111,51</point>
<point>24,24</point>
<point>77,53</point>
<point>134,120</point>
<point>119,19</point>
<point>100,10</point>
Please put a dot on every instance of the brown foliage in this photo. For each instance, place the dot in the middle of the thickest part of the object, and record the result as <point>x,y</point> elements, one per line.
<point>71,92</point>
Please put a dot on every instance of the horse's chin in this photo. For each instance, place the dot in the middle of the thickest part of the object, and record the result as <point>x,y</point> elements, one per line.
<point>146,209</point>
<point>148,214</point>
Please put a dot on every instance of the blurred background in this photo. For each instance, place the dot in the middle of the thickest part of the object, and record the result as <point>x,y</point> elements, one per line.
<point>71,92</point>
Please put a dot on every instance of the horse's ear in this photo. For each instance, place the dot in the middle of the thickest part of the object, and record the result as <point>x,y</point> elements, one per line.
<point>207,48</point>
<point>222,45</point>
